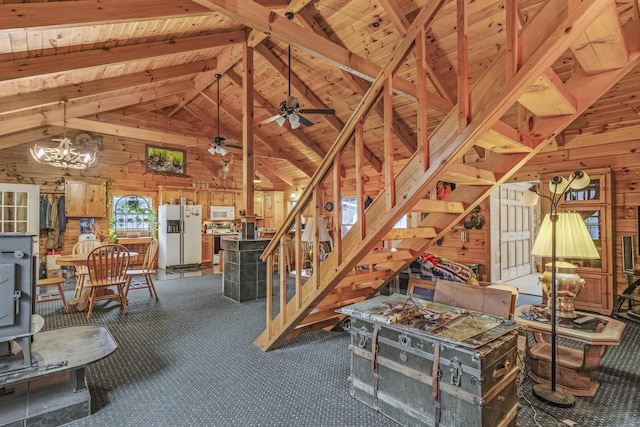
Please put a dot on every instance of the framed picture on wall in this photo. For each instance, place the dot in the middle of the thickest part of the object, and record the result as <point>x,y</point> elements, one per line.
<point>166,160</point>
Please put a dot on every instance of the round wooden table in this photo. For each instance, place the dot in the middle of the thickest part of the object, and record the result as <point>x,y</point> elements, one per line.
<point>77,260</point>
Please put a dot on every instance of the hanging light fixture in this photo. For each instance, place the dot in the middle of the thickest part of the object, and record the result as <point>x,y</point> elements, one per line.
<point>256,178</point>
<point>65,155</point>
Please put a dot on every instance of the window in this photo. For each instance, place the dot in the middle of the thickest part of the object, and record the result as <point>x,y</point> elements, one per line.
<point>132,214</point>
<point>350,215</point>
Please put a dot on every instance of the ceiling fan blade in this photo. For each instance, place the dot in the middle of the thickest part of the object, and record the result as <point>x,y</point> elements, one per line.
<point>304,120</point>
<point>318,111</point>
<point>197,145</point>
<point>270,119</point>
<point>228,141</point>
<point>239,147</point>
<point>291,102</point>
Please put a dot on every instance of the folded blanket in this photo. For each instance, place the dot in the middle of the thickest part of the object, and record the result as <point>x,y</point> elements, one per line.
<point>432,267</point>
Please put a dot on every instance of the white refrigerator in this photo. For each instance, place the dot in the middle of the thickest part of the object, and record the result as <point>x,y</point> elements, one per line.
<point>179,235</point>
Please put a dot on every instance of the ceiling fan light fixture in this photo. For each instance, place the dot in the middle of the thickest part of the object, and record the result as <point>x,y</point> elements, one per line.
<point>280,120</point>
<point>221,150</point>
<point>295,121</point>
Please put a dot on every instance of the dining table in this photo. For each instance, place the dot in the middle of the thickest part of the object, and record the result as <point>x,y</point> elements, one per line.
<point>76,260</point>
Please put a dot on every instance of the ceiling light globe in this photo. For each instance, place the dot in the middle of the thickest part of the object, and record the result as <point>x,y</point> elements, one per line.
<point>295,121</point>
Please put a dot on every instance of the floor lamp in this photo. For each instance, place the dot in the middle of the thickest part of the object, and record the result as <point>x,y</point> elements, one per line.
<point>561,235</point>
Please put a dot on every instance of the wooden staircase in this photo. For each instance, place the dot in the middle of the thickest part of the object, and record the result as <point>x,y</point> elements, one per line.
<point>521,79</point>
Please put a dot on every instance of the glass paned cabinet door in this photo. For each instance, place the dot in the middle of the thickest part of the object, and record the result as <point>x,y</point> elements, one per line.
<point>595,222</point>
<point>15,211</point>
<point>19,210</point>
<point>593,193</point>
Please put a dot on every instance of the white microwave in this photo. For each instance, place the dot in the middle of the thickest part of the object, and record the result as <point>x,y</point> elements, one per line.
<point>222,213</point>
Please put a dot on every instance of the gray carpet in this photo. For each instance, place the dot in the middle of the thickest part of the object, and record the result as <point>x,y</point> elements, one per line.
<point>189,360</point>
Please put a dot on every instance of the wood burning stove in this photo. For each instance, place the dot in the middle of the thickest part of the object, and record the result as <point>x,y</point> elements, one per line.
<point>17,292</point>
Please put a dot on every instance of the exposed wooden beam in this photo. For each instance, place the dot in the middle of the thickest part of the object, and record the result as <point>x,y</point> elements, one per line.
<point>268,170</point>
<point>76,92</point>
<point>401,23</point>
<point>464,101</point>
<point>248,165</point>
<point>82,13</point>
<point>29,135</point>
<point>308,94</point>
<point>253,15</point>
<point>230,57</point>
<point>136,133</point>
<point>54,114</point>
<point>400,128</point>
<point>257,37</point>
<point>28,68</point>
<point>268,140</point>
<point>260,100</point>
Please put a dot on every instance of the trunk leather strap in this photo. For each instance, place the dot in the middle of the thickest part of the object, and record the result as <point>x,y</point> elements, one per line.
<point>374,364</point>
<point>435,384</point>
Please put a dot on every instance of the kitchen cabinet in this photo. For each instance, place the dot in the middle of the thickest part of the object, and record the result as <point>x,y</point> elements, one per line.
<point>207,248</point>
<point>169,194</point>
<point>258,205</point>
<point>85,198</point>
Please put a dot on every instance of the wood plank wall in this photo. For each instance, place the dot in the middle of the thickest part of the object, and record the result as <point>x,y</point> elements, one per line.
<point>121,162</point>
<point>624,161</point>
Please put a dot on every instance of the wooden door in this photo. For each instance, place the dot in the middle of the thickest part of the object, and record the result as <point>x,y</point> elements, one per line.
<point>515,231</point>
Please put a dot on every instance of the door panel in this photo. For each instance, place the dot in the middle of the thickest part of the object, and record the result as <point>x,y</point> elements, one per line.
<point>515,232</point>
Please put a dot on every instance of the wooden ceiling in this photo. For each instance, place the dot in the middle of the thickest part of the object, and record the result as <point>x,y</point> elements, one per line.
<point>145,70</point>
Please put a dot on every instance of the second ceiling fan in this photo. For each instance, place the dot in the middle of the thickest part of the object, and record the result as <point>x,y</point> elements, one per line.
<point>289,108</point>
<point>217,142</point>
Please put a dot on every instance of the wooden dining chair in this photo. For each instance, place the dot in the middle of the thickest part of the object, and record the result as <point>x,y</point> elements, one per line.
<point>141,278</point>
<point>107,267</point>
<point>82,247</point>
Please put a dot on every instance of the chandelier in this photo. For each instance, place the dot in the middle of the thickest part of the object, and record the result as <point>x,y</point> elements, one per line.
<point>65,155</point>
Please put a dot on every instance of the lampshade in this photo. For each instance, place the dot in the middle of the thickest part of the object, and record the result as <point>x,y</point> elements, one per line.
<point>579,180</point>
<point>309,231</point>
<point>530,197</point>
<point>280,120</point>
<point>572,238</point>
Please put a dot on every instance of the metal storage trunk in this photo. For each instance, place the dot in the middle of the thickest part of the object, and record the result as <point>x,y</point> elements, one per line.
<point>476,386</point>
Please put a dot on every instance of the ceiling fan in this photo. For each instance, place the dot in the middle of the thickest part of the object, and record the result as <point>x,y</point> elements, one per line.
<point>289,108</point>
<point>218,143</point>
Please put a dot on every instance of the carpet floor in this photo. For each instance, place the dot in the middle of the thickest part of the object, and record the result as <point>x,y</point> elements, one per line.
<point>189,360</point>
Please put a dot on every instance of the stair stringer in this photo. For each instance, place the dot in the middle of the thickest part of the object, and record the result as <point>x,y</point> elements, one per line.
<point>446,148</point>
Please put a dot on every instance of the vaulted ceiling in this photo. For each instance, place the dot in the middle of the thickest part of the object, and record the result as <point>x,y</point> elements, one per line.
<point>146,70</point>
